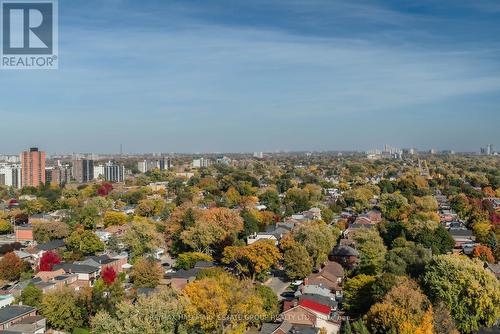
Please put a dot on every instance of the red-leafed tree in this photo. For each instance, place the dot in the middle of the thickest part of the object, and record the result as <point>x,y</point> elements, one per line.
<point>104,189</point>
<point>48,260</point>
<point>108,275</point>
<point>484,253</point>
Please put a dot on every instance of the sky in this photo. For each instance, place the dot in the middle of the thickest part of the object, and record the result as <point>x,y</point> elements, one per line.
<point>243,76</point>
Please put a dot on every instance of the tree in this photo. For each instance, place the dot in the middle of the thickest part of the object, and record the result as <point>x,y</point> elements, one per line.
<point>254,259</point>
<point>31,296</point>
<point>112,218</point>
<point>471,293</point>
<point>108,275</point>
<point>146,273</point>
<point>318,238</point>
<point>250,222</point>
<point>443,323</point>
<point>105,295</point>
<point>371,251</point>
<point>409,259</point>
<point>84,242</point>
<point>161,312</point>
<point>483,253</point>
<point>11,267</point>
<point>5,227</point>
<point>393,206</point>
<point>358,294</point>
<point>46,231</point>
<point>188,260</point>
<point>61,309</point>
<point>438,240</point>
<point>270,198</point>
<point>298,263</point>
<point>222,304</point>
<point>150,207</point>
<point>48,260</point>
<point>142,238</point>
<point>270,301</point>
<point>211,228</point>
<point>405,309</point>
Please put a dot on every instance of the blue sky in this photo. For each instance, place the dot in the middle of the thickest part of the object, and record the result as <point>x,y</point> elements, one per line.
<point>199,76</point>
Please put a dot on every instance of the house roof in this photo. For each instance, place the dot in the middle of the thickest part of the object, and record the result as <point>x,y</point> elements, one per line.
<point>333,268</point>
<point>314,306</point>
<point>345,251</point>
<point>204,264</point>
<point>11,312</point>
<point>323,300</point>
<point>51,245</point>
<point>184,273</point>
<point>76,268</point>
<point>271,328</point>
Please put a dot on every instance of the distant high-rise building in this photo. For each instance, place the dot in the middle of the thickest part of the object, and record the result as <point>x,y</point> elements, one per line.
<point>161,163</point>
<point>32,168</point>
<point>114,172</point>
<point>83,170</point>
<point>10,175</point>
<point>98,171</point>
<point>57,175</point>
<point>201,163</point>
<point>258,155</point>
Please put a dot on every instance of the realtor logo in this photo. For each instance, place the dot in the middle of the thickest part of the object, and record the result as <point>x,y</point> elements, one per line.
<point>29,34</point>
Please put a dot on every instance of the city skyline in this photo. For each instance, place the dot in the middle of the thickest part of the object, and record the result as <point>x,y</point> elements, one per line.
<point>237,76</point>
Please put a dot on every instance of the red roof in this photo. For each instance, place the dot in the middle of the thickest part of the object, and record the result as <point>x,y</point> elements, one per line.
<point>315,306</point>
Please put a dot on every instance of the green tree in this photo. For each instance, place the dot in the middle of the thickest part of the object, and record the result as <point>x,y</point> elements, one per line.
<point>146,273</point>
<point>5,227</point>
<point>393,206</point>
<point>84,242</point>
<point>142,238</point>
<point>188,260</point>
<point>31,296</point>
<point>371,250</point>
<point>358,294</point>
<point>271,200</point>
<point>298,263</point>
<point>46,231</point>
<point>471,293</point>
<point>160,313</point>
<point>62,310</point>
<point>270,301</point>
<point>318,238</point>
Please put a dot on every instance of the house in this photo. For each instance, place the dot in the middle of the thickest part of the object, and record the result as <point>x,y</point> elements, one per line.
<point>27,257</point>
<point>29,325</point>
<point>347,256</point>
<point>104,261</point>
<point>314,290</point>
<point>287,328</point>
<point>275,233</point>
<point>24,234</point>
<point>330,277</point>
<point>86,275</point>
<point>181,278</point>
<point>38,250</point>
<point>40,218</point>
<point>13,314</point>
<point>494,268</point>
<point>462,236</point>
<point>311,314</point>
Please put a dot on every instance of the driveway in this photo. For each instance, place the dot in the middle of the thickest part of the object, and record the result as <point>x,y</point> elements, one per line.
<point>278,282</point>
